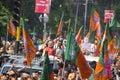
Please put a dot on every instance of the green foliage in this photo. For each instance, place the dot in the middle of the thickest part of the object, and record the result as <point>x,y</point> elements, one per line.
<point>57,7</point>
<point>4,14</point>
<point>29,14</point>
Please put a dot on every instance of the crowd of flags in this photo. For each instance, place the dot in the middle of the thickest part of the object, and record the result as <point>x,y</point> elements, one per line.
<point>105,46</point>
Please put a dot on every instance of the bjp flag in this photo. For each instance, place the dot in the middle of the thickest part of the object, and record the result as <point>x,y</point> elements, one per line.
<point>12,29</point>
<point>29,46</point>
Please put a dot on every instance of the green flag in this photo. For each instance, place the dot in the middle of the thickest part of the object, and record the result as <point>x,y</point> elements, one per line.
<point>46,69</point>
<point>69,44</point>
<point>75,55</point>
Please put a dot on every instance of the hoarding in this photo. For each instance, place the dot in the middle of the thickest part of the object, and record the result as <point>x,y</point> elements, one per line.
<point>108,15</point>
<point>42,6</point>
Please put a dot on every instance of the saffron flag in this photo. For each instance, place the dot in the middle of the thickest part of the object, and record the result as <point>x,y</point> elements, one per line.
<point>103,67</point>
<point>59,32</point>
<point>94,20</point>
<point>12,29</point>
<point>100,64</point>
<point>78,36</point>
<point>81,63</point>
<point>46,73</point>
<point>29,46</point>
<point>75,55</point>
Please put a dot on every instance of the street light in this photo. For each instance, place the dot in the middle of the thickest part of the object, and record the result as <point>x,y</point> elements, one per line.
<point>44,19</point>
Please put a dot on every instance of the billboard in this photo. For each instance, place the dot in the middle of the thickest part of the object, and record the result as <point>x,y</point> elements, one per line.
<point>108,15</point>
<point>42,6</point>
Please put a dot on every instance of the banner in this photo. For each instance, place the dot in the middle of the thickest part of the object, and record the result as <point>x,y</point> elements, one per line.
<point>42,6</point>
<point>108,15</point>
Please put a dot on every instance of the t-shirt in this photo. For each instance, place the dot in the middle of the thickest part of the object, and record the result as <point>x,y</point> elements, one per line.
<point>50,50</point>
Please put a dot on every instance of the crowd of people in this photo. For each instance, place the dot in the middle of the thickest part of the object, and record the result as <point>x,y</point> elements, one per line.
<point>13,75</point>
<point>55,47</point>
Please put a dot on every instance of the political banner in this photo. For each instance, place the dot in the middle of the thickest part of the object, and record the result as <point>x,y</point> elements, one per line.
<point>42,6</point>
<point>108,15</point>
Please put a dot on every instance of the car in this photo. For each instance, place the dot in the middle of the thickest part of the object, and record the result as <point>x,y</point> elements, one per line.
<point>20,62</point>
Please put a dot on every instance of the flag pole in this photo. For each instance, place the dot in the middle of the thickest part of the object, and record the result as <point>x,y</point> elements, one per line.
<point>63,69</point>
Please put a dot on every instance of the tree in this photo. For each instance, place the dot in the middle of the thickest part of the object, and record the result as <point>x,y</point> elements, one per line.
<point>57,6</point>
<point>4,14</point>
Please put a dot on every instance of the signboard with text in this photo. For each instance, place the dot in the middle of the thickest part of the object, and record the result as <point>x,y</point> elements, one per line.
<point>108,15</point>
<point>42,6</point>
